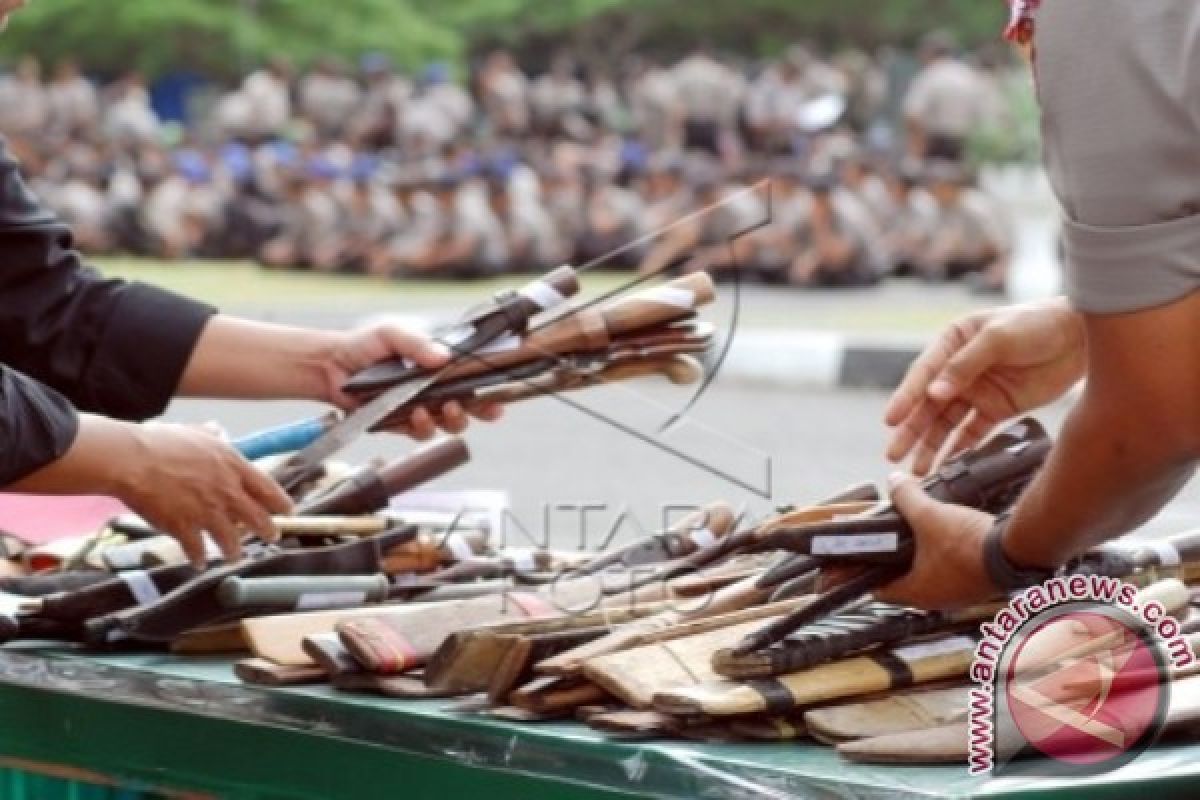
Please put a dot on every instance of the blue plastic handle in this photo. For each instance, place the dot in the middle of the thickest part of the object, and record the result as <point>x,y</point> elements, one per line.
<point>284,439</point>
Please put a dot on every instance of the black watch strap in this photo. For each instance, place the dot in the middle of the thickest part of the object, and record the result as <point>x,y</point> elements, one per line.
<point>1002,571</point>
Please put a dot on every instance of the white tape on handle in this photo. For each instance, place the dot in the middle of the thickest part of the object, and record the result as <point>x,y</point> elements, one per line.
<point>124,557</point>
<point>211,551</point>
<point>459,547</point>
<point>542,293</point>
<point>1168,556</point>
<point>140,586</point>
<point>523,561</point>
<point>670,296</point>
<point>859,543</point>
<point>703,537</point>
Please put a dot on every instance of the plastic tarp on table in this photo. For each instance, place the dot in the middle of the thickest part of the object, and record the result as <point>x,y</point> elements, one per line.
<point>157,721</point>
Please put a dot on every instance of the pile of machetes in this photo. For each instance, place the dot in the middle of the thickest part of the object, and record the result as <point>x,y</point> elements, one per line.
<point>711,630</point>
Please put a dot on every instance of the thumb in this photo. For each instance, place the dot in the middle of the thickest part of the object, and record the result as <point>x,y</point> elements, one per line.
<point>422,350</point>
<point>964,368</point>
<point>908,496</point>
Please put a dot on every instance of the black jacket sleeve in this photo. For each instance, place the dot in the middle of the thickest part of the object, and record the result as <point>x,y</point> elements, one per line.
<point>110,346</point>
<point>37,425</point>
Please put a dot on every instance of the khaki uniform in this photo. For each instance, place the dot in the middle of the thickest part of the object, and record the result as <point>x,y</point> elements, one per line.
<point>948,100</point>
<point>23,107</point>
<point>968,236</point>
<point>328,101</point>
<point>1119,84</point>
<point>711,95</point>
<point>851,221</point>
<point>506,100</point>
<point>656,109</point>
<point>73,104</point>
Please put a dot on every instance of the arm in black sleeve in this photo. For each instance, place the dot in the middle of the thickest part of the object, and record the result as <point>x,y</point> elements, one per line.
<point>112,347</point>
<point>37,425</point>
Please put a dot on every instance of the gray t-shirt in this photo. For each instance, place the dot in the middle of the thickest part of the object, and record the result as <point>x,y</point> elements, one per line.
<point>1119,84</point>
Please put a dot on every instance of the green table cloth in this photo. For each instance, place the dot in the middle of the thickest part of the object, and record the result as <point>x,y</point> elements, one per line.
<point>156,723</point>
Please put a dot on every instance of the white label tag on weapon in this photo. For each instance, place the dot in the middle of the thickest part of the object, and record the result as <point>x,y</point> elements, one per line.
<point>542,293</point>
<point>459,547</point>
<point>211,551</point>
<point>915,652</point>
<point>314,601</point>
<point>523,560</point>
<point>857,543</point>
<point>669,296</point>
<point>703,537</point>
<point>1168,556</point>
<point>125,556</point>
<point>140,586</point>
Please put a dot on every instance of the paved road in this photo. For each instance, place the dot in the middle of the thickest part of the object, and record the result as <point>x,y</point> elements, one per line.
<point>753,447</point>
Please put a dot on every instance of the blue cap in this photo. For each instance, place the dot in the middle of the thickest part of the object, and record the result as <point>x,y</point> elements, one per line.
<point>321,168</point>
<point>634,155</point>
<point>364,167</point>
<point>435,73</point>
<point>237,160</point>
<point>282,152</point>
<point>193,166</point>
<point>375,62</point>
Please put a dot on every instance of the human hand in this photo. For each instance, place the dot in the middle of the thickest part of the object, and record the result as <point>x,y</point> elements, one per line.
<point>984,369</point>
<point>353,351</point>
<point>948,568</point>
<point>185,480</point>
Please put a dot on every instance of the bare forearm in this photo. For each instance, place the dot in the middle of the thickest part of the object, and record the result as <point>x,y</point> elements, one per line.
<point>257,360</point>
<point>1105,477</point>
<point>93,464</point>
<point>1130,444</point>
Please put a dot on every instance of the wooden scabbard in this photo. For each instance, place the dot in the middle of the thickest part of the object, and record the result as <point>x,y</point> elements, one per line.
<point>842,635</point>
<point>395,642</point>
<point>736,596</point>
<point>662,628</point>
<point>552,695</point>
<point>592,329</point>
<point>949,743</point>
<point>638,674</point>
<point>280,637</point>
<point>903,712</point>
<point>264,673</point>
<point>468,659</point>
<point>700,584</point>
<point>327,653</point>
<point>207,641</point>
<point>516,666</point>
<point>899,667</point>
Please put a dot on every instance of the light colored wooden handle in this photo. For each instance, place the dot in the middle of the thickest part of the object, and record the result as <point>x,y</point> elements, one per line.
<point>658,304</point>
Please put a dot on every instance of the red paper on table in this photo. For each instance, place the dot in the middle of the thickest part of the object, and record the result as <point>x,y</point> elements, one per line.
<point>39,518</point>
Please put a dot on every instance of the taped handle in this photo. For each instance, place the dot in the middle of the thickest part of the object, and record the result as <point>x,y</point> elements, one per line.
<point>315,591</point>
<point>659,304</point>
<point>285,438</point>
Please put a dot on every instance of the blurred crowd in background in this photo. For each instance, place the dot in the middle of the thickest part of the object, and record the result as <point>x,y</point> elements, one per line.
<point>661,166</point>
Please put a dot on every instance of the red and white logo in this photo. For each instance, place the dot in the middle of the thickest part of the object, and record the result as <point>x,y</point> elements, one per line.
<point>1083,688</point>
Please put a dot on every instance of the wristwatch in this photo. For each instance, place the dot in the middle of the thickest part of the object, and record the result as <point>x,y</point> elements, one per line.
<point>1000,568</point>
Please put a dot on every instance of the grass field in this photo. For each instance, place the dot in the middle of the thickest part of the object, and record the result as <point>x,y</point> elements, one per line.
<point>897,307</point>
<point>235,284</point>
